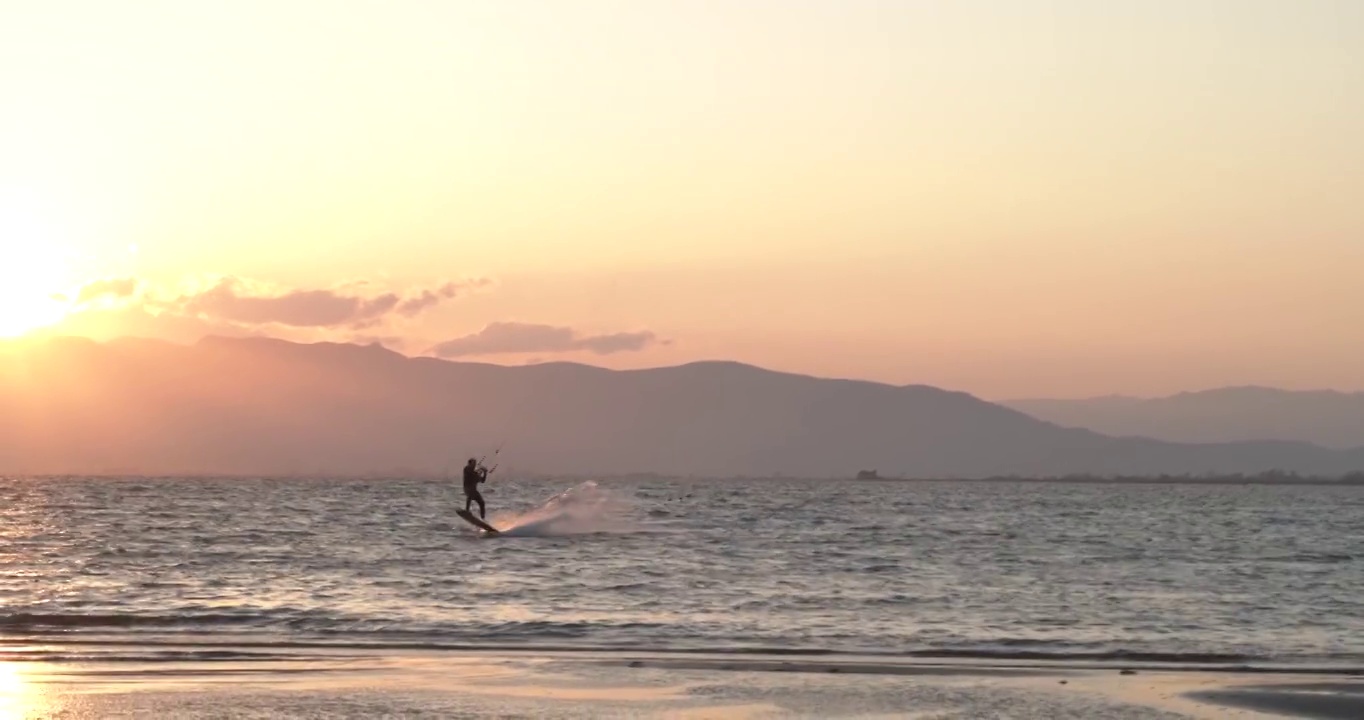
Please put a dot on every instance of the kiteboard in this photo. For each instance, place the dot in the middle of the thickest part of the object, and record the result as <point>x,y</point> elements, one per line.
<point>474,520</point>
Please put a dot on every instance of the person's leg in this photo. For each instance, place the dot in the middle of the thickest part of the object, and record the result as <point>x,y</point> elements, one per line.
<point>482,509</point>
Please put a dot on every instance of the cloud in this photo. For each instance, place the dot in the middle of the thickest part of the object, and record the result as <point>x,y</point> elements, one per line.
<point>358,311</point>
<point>237,301</point>
<point>511,338</point>
<point>430,298</point>
<point>115,288</point>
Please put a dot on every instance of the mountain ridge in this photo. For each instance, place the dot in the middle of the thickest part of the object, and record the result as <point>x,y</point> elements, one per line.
<point>1324,417</point>
<point>266,406</point>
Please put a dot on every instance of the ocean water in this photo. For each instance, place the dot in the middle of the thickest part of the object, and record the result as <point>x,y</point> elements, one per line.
<point>1172,573</point>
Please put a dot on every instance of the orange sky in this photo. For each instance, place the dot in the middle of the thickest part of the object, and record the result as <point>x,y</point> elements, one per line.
<point>1002,197</point>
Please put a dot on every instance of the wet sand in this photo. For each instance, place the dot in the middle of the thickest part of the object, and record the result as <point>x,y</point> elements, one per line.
<point>358,684</point>
<point>1327,701</point>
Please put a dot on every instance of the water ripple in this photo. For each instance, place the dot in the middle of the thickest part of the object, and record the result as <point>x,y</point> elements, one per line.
<point>1014,570</point>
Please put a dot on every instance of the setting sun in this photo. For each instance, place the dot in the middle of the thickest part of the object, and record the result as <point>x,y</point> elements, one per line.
<point>31,278</point>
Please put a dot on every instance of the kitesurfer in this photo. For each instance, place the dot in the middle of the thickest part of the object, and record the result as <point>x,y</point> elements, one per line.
<point>473,475</point>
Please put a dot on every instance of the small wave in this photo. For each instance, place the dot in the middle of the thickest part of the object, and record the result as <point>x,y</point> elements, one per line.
<point>246,649</point>
<point>1091,656</point>
<point>293,627</point>
<point>35,621</point>
<point>94,652</point>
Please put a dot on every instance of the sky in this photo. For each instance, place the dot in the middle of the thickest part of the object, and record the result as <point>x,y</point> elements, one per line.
<point>1014,199</point>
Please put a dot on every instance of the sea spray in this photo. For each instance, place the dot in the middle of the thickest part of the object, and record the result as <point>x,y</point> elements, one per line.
<point>580,510</point>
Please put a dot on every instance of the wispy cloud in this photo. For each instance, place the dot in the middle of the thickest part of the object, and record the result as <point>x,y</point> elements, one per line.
<point>429,298</point>
<point>356,311</point>
<point>236,301</point>
<point>112,288</point>
<point>512,338</point>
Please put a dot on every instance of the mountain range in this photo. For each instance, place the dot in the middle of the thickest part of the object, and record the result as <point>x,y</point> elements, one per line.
<point>269,407</point>
<point>1323,417</point>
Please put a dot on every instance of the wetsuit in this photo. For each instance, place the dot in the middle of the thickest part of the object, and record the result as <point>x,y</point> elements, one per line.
<point>472,477</point>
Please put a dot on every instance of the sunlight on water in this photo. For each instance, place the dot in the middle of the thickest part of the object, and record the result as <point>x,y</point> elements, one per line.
<point>18,697</point>
<point>1205,574</point>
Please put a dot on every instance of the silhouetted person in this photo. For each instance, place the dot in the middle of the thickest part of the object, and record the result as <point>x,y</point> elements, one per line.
<point>473,475</point>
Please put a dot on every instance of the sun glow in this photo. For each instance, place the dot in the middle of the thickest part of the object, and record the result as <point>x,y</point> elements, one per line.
<point>17,699</point>
<point>32,274</point>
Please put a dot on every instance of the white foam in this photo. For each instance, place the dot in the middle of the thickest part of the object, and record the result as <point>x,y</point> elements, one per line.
<point>580,510</point>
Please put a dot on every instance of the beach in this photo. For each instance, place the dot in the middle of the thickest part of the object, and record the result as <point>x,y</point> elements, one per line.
<point>363,684</point>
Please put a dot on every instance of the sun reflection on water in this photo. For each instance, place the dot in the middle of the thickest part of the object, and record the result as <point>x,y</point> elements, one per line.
<point>14,693</point>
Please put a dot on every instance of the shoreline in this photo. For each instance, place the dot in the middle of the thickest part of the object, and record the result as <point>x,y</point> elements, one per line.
<point>356,682</point>
<point>42,645</point>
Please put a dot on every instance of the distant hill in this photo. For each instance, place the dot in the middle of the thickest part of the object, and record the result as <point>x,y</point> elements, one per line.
<point>1327,418</point>
<point>261,406</point>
